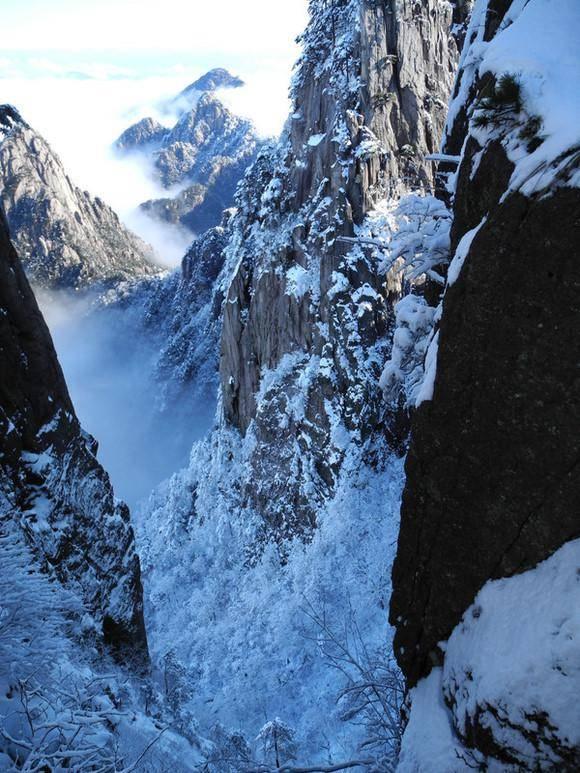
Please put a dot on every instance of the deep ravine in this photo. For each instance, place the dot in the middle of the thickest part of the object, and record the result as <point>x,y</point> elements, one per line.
<point>370,560</point>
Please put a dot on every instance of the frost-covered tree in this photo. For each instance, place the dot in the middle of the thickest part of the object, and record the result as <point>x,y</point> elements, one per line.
<point>277,742</point>
<point>373,687</point>
<point>230,752</point>
<point>52,714</point>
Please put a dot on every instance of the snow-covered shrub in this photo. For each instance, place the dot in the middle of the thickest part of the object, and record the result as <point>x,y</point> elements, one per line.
<point>63,703</point>
<point>202,598</point>
<point>403,374</point>
<point>411,240</point>
<point>230,751</point>
<point>501,106</point>
<point>52,715</point>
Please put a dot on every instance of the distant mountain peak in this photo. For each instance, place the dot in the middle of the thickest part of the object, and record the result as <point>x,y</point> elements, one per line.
<point>208,149</point>
<point>64,237</point>
<point>218,78</point>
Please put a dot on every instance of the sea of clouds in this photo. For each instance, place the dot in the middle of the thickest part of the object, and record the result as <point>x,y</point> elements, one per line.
<point>82,104</point>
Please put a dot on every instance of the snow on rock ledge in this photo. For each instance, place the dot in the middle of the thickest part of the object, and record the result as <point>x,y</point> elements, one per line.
<point>509,685</point>
<point>512,669</point>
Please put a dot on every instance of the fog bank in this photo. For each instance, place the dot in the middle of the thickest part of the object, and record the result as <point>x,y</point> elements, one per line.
<point>108,362</point>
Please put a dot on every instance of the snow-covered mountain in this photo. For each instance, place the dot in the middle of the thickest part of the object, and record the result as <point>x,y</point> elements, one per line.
<point>53,487</point>
<point>204,155</point>
<point>213,80</point>
<point>387,315</point>
<point>304,465</point>
<point>66,238</point>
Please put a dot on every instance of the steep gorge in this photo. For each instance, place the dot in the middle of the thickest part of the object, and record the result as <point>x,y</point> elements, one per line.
<point>336,266</point>
<point>262,522</point>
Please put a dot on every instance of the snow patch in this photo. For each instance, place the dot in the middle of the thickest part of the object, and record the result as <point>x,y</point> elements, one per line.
<point>538,44</point>
<point>429,743</point>
<point>315,139</point>
<point>516,649</point>
<point>461,253</point>
<point>427,387</point>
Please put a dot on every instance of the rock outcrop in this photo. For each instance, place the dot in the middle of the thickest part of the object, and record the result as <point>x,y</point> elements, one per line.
<point>52,486</point>
<point>306,319</point>
<point>205,154</point>
<point>146,133</point>
<point>295,491</point>
<point>493,482</point>
<point>66,238</point>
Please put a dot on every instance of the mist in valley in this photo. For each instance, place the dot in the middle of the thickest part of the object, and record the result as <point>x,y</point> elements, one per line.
<point>145,427</point>
<point>109,363</point>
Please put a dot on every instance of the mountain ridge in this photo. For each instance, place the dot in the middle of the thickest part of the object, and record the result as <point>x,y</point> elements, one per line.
<point>66,238</point>
<point>205,154</point>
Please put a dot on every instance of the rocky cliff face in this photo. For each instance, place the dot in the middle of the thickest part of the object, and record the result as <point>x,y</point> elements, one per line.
<point>493,486</point>
<point>66,238</point>
<point>205,154</point>
<point>301,472</point>
<point>52,486</point>
<point>307,317</point>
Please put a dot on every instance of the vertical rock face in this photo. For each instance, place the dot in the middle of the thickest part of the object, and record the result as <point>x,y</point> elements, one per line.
<point>306,318</point>
<point>66,238</point>
<point>493,482</point>
<point>184,310</point>
<point>52,485</point>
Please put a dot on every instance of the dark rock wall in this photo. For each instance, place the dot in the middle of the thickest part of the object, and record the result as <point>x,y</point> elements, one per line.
<point>493,476</point>
<point>493,483</point>
<point>52,485</point>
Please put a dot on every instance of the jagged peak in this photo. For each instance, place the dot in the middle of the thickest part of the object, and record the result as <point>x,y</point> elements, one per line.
<point>210,109</point>
<point>146,131</point>
<point>211,81</point>
<point>10,119</point>
<point>218,78</point>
